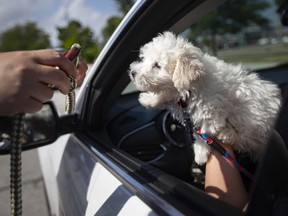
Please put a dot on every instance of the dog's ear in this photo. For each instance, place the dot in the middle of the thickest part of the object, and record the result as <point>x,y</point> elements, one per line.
<point>186,71</point>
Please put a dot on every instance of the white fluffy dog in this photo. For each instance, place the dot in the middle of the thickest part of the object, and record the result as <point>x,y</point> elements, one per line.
<point>226,101</point>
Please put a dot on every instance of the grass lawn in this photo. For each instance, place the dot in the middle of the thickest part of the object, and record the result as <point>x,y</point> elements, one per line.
<point>269,53</point>
<point>260,58</point>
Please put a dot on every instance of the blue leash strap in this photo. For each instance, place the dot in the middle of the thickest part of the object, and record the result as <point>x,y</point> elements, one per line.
<point>223,152</point>
<point>189,129</point>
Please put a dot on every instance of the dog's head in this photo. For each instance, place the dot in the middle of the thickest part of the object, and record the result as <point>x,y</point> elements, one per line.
<point>167,64</point>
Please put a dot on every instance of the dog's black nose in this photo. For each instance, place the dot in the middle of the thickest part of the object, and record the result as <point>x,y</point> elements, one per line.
<point>133,73</point>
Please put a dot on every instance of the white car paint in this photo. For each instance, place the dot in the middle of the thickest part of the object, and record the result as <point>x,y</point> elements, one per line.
<point>50,158</point>
<point>101,187</point>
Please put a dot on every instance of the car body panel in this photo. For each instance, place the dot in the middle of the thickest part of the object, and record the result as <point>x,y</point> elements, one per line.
<point>86,187</point>
<point>50,158</point>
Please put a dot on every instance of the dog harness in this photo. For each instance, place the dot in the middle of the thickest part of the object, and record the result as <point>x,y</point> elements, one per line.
<point>210,141</point>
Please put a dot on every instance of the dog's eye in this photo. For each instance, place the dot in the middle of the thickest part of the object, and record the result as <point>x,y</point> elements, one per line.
<point>156,65</point>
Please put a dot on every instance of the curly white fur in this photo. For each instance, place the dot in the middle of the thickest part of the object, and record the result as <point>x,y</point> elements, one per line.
<point>225,100</point>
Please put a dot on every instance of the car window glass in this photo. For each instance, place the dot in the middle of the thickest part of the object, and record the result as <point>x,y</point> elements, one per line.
<point>129,89</point>
<point>258,41</point>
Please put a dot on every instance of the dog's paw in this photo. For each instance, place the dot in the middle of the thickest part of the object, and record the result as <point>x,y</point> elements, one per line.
<point>148,99</point>
<point>227,135</point>
<point>202,152</point>
<point>201,159</point>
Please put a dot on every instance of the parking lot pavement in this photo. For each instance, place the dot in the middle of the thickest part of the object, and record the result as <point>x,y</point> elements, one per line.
<point>33,196</point>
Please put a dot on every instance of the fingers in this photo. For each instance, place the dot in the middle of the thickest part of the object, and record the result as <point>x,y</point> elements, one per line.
<point>32,106</point>
<point>55,77</point>
<point>55,69</point>
<point>41,92</point>
<point>25,104</point>
<point>81,68</point>
<point>53,58</point>
<point>31,99</point>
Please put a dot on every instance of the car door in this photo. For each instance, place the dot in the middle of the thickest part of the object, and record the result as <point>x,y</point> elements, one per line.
<point>111,165</point>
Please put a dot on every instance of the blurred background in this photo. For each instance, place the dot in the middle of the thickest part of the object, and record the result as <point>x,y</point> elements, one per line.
<point>252,25</point>
<point>37,24</point>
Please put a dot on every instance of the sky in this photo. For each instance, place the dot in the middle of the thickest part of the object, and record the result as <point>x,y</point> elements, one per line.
<point>49,14</point>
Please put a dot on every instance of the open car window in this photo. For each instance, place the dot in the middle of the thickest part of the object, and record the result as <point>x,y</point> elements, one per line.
<point>152,138</point>
<point>257,42</point>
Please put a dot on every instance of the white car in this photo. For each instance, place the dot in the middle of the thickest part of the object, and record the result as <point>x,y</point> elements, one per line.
<point>114,157</point>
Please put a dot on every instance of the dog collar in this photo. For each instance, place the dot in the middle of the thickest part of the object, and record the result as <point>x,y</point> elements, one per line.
<point>182,103</point>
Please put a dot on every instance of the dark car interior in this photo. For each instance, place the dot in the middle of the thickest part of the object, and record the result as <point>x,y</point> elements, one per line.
<point>150,135</point>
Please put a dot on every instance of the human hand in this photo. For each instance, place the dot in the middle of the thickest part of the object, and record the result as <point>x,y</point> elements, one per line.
<point>81,68</point>
<point>25,77</point>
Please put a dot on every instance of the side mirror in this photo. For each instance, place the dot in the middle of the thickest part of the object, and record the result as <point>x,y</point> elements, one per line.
<point>41,128</point>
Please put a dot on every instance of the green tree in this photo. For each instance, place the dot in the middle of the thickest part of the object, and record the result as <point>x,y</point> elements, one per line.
<point>230,17</point>
<point>111,25</point>
<point>123,6</point>
<point>24,37</point>
<point>74,32</point>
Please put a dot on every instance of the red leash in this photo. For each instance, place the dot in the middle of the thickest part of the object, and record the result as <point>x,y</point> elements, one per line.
<point>189,129</point>
<point>223,152</point>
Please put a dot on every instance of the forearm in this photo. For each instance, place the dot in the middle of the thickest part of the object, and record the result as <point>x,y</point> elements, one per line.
<point>223,181</point>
